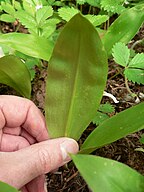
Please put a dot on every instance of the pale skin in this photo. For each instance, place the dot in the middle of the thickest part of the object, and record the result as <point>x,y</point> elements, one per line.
<point>26,152</point>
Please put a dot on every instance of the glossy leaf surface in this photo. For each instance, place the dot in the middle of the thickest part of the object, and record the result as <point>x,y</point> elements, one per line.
<point>107,175</point>
<point>4,187</point>
<point>15,74</point>
<point>116,127</point>
<point>76,79</point>
<point>124,28</point>
<point>28,44</point>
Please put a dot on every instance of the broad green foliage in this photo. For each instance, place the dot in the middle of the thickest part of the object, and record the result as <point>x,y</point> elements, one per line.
<point>134,68</point>
<point>30,45</point>
<point>76,79</point>
<point>103,174</point>
<point>114,128</point>
<point>34,15</point>
<point>124,27</point>
<point>4,187</point>
<point>14,73</point>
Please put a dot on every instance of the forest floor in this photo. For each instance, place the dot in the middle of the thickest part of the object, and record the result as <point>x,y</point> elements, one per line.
<point>67,178</point>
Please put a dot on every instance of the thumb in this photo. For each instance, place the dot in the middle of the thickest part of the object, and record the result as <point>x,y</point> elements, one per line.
<point>22,166</point>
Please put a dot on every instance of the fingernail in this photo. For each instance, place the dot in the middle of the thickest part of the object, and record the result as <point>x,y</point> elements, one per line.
<point>68,146</point>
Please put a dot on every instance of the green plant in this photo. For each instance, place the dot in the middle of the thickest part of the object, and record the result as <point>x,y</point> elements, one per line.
<point>76,80</point>
<point>124,28</point>
<point>103,113</point>
<point>69,80</point>
<point>133,67</point>
<point>7,188</point>
<point>34,15</point>
<point>141,149</point>
<point>13,72</point>
<point>81,72</point>
<point>41,23</point>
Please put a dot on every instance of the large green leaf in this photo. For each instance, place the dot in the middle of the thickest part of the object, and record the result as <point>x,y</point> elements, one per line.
<point>116,127</point>
<point>105,175</point>
<point>14,73</point>
<point>4,187</point>
<point>76,79</point>
<point>31,45</point>
<point>124,27</point>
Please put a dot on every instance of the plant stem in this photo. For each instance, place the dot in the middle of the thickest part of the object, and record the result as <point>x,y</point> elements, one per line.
<point>13,3</point>
<point>137,42</point>
<point>89,11</point>
<point>128,89</point>
<point>17,28</point>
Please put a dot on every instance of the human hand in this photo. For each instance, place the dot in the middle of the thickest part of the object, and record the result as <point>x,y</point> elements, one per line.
<point>26,153</point>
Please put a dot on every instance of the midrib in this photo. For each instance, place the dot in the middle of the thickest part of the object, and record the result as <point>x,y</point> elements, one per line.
<point>73,92</point>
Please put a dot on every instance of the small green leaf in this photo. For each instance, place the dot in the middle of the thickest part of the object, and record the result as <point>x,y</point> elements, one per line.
<point>49,27</point>
<point>106,108</point>
<point>97,20</point>
<point>17,5</point>
<point>51,2</point>
<point>105,175</point>
<point>7,18</point>
<point>137,61</point>
<point>142,139</point>
<point>99,118</point>
<point>4,187</point>
<point>121,54</point>
<point>81,2</point>
<point>66,13</point>
<point>76,80</point>
<point>48,31</point>
<point>8,8</point>
<point>14,73</point>
<point>135,75</point>
<point>49,22</point>
<point>112,6</point>
<point>95,3</point>
<point>29,7</point>
<point>43,13</point>
<point>31,45</point>
<point>116,127</point>
<point>26,19</point>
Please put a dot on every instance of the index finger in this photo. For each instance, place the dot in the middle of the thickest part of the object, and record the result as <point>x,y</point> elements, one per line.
<point>21,112</point>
